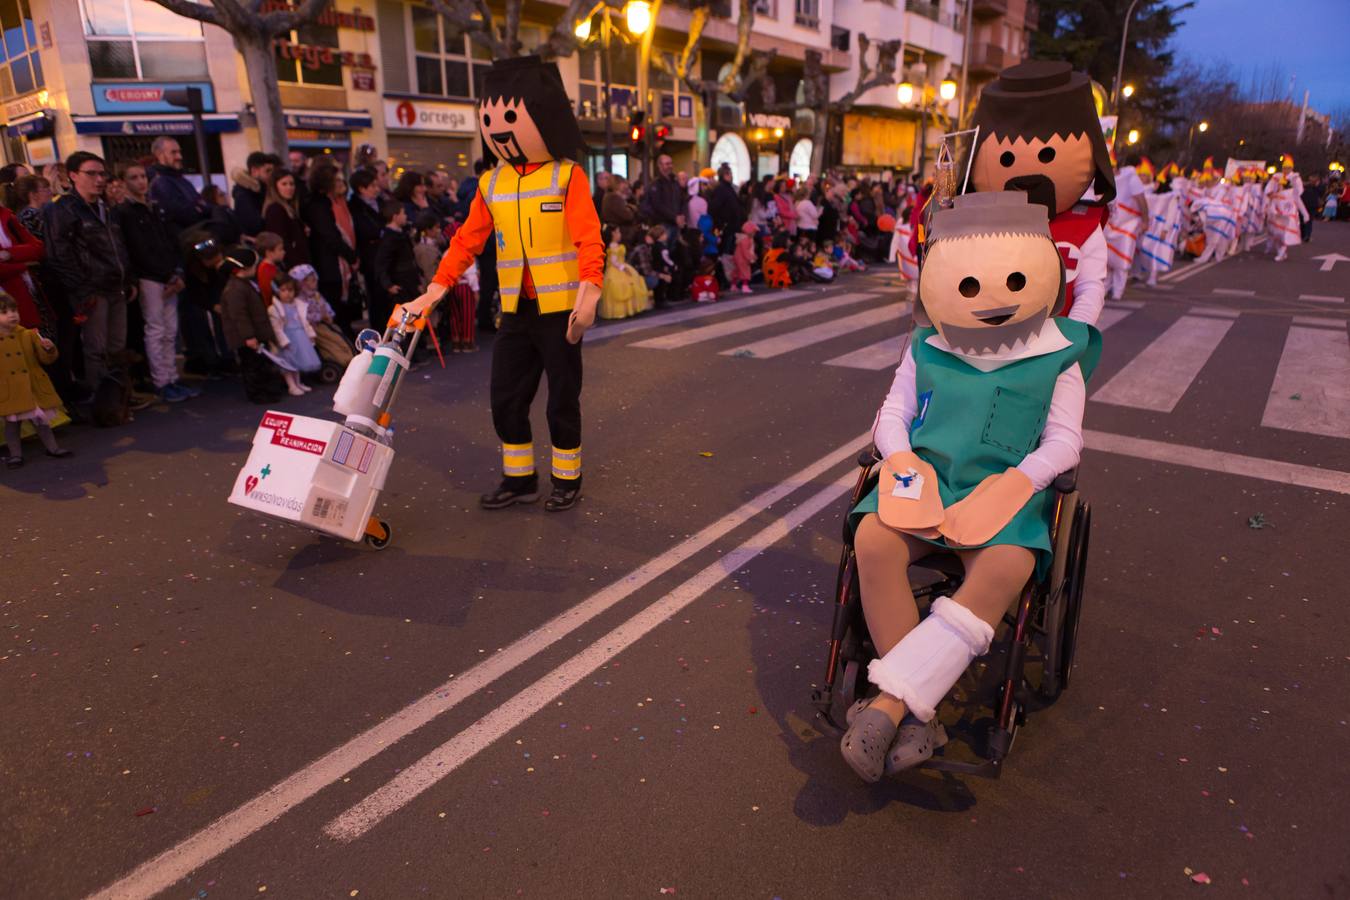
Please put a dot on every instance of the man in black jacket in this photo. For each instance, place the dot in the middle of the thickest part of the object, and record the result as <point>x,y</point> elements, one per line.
<point>159,280</point>
<point>86,251</point>
<point>397,276</point>
<point>364,203</point>
<point>170,189</point>
<point>725,209</point>
<point>664,199</point>
<point>250,190</point>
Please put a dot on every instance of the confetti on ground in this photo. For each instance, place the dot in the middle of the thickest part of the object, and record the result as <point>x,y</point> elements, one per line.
<point>146,811</point>
<point>1258,521</point>
<point>1201,878</point>
<point>705,453</point>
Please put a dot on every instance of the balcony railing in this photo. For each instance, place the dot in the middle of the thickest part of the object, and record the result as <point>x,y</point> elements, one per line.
<point>987,9</point>
<point>989,59</point>
<point>933,11</point>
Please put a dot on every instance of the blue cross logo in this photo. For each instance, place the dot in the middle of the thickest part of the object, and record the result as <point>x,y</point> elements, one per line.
<point>501,241</point>
<point>904,479</point>
<point>266,470</point>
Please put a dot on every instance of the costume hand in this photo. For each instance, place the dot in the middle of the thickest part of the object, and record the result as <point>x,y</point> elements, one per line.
<point>919,516</point>
<point>425,303</point>
<point>583,315</point>
<point>983,513</point>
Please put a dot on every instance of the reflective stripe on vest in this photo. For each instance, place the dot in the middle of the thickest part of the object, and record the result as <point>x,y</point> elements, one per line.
<point>531,231</point>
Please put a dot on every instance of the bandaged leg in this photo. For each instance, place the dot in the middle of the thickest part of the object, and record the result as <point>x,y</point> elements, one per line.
<point>922,668</point>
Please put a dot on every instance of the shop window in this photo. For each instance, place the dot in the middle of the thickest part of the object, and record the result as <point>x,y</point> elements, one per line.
<point>302,71</point>
<point>445,64</point>
<point>20,68</point>
<point>134,39</point>
<point>808,13</point>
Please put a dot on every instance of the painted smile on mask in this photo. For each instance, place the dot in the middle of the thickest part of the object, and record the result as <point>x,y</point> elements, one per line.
<point>996,316</point>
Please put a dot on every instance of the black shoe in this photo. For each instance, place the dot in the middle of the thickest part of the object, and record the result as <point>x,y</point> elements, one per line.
<point>13,462</point>
<point>564,497</point>
<point>509,495</point>
<point>60,452</point>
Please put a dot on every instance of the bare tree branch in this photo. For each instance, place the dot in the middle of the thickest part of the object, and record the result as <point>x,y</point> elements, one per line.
<point>211,15</point>
<point>471,17</point>
<point>563,39</point>
<point>511,28</point>
<point>277,22</point>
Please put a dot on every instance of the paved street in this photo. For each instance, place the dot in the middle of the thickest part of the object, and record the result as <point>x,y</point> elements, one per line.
<point>614,702</point>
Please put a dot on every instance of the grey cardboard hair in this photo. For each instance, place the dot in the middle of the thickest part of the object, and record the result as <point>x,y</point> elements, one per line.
<point>989,213</point>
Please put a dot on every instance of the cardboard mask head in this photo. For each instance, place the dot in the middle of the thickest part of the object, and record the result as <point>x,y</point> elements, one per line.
<point>991,275</point>
<point>524,114</point>
<point>1039,133</point>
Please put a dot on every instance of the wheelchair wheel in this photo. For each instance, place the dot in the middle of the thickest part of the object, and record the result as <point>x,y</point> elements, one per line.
<point>1073,595</point>
<point>1056,603</point>
<point>852,682</point>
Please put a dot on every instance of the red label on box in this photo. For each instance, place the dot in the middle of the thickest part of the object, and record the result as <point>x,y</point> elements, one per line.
<point>282,437</point>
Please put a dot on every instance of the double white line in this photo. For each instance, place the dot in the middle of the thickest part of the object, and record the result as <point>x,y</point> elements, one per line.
<point>1189,271</point>
<point>166,869</point>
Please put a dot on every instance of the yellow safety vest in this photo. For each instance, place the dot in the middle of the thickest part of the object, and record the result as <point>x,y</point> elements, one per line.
<point>531,229</point>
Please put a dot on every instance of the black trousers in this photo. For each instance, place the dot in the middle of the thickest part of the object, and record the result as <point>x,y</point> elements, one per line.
<point>262,379</point>
<point>530,345</point>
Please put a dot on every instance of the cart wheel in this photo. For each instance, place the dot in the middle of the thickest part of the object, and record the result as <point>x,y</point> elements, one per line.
<point>1073,597</point>
<point>849,687</point>
<point>330,373</point>
<point>379,543</point>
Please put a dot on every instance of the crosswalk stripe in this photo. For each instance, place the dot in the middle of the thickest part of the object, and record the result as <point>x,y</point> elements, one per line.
<point>1321,298</point>
<point>1189,271</point>
<point>1111,315</point>
<point>1311,392</point>
<point>702,311</point>
<point>804,337</point>
<point>881,355</point>
<point>1233,292</point>
<point>1157,378</point>
<point>749,323</point>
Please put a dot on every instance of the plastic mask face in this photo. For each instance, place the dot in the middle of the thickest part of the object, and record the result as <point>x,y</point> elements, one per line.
<point>511,133</point>
<point>1055,173</point>
<point>985,291</point>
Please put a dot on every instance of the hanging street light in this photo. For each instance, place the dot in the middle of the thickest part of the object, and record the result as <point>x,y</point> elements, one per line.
<point>1127,91</point>
<point>638,15</point>
<point>904,92</point>
<point>947,90</point>
<point>1203,126</point>
<point>583,29</point>
<point>1133,137</point>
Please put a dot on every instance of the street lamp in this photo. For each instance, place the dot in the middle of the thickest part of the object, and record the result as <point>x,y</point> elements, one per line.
<point>1120,65</point>
<point>638,15</point>
<point>1133,137</point>
<point>947,90</point>
<point>1127,91</point>
<point>1203,126</point>
<point>583,29</point>
<point>904,92</point>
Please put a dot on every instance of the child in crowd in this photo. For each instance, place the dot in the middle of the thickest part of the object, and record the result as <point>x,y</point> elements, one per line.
<point>328,338</point>
<point>821,265</point>
<point>398,279</point>
<point>663,266</point>
<point>294,335</point>
<point>429,247</point>
<point>704,288</point>
<point>744,258</point>
<point>461,309</point>
<point>26,393</point>
<point>248,328</point>
<point>843,257</point>
<point>272,250</point>
<point>775,263</point>
<point>624,292</point>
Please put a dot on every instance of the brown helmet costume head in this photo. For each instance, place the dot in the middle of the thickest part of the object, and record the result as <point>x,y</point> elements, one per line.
<point>525,115</point>
<point>1039,133</point>
<point>991,275</point>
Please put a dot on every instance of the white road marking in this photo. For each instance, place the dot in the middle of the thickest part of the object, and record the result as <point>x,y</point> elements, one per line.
<point>1221,311</point>
<point>749,323</point>
<point>881,355</point>
<point>1233,292</point>
<point>1189,271</point>
<point>1219,461</point>
<point>185,857</point>
<point>703,310</point>
<point>1315,369</point>
<point>890,314</point>
<point>1321,298</point>
<point>1157,378</point>
<point>448,757</point>
<point>1315,322</point>
<point>1112,314</point>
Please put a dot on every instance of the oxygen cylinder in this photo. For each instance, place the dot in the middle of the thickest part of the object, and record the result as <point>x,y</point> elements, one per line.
<point>348,396</point>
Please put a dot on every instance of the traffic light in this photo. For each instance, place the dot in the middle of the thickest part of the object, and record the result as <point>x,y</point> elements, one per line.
<point>659,135</point>
<point>637,131</point>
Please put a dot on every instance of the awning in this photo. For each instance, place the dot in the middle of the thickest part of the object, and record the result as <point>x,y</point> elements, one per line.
<point>39,124</point>
<point>215,123</point>
<point>326,120</point>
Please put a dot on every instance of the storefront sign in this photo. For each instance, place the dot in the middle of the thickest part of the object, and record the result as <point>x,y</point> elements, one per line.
<point>24,106</point>
<point>146,96</point>
<point>313,55</point>
<point>765,120</point>
<point>45,29</point>
<point>321,121</point>
<point>363,80</point>
<point>427,115</point>
<point>40,125</point>
<point>213,124</point>
<point>42,151</point>
<point>331,17</point>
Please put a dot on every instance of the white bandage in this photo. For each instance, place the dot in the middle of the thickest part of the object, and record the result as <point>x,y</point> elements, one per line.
<point>922,668</point>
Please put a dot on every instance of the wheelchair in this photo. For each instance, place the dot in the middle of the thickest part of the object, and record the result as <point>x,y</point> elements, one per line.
<point>1028,665</point>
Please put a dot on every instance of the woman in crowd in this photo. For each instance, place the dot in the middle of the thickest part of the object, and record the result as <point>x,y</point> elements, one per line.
<point>787,212</point>
<point>411,191</point>
<point>30,194</point>
<point>808,214</point>
<point>281,215</point>
<point>18,248</point>
<point>332,239</point>
<point>617,207</point>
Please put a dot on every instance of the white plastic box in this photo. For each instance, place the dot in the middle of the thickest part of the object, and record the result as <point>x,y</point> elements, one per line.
<point>313,472</point>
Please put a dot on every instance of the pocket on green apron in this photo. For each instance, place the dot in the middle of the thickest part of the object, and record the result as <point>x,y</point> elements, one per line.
<point>1015,421</point>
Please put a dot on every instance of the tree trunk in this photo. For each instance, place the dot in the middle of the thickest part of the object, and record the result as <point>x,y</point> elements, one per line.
<point>260,62</point>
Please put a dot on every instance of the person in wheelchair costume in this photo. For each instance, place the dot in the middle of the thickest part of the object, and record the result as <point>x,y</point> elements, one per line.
<point>986,410</point>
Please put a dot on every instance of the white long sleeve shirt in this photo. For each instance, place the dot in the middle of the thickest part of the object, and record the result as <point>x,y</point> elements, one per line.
<point>1061,443</point>
<point>1089,284</point>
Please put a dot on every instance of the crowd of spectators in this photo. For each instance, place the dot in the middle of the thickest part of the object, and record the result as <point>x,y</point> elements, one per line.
<point>144,284</point>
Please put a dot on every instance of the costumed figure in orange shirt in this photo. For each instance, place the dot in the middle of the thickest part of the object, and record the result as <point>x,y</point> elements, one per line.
<point>535,203</point>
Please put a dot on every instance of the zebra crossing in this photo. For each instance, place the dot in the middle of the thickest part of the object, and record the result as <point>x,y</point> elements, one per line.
<point>1309,391</point>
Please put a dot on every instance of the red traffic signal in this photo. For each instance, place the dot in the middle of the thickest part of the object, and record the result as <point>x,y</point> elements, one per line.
<point>636,133</point>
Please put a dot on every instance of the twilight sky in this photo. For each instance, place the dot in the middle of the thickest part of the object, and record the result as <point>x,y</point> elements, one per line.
<point>1307,38</point>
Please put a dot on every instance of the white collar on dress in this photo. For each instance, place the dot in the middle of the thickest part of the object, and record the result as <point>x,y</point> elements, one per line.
<point>1048,340</point>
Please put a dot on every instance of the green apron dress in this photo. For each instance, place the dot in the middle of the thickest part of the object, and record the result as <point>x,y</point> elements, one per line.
<point>972,424</point>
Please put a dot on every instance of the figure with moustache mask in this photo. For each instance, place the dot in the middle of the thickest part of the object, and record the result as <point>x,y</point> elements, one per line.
<point>986,410</point>
<point>535,203</point>
<point>1039,133</point>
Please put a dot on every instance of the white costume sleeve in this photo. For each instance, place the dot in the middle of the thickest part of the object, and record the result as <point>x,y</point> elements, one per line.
<point>1089,286</point>
<point>890,431</point>
<point>1062,438</point>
